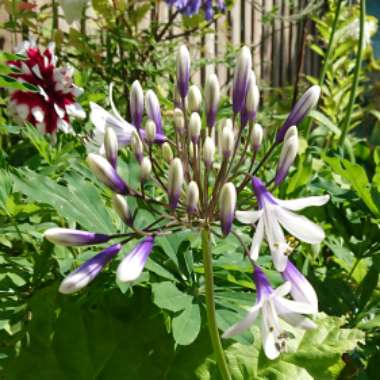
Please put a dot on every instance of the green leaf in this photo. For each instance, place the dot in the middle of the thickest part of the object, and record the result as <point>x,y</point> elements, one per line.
<point>187,325</point>
<point>167,296</point>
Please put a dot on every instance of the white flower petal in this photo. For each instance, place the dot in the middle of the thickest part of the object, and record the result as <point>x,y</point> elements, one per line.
<point>248,217</point>
<point>293,306</point>
<point>257,240</point>
<point>298,321</point>
<point>282,290</point>
<point>275,238</point>
<point>76,110</point>
<point>301,203</point>
<point>270,329</point>
<point>245,323</point>
<point>36,70</point>
<point>299,226</point>
<point>38,114</point>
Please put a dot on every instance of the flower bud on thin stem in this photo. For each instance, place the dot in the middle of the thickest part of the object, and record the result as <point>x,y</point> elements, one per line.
<point>257,137</point>
<point>179,121</point>
<point>153,109</point>
<point>137,146</point>
<point>308,100</point>
<point>252,98</point>
<point>241,78</point>
<point>183,70</point>
<point>150,131</point>
<point>192,197</point>
<point>195,124</point>
<point>111,146</point>
<point>167,152</point>
<point>145,168</point>
<point>194,99</point>
<point>208,151</point>
<point>136,101</point>
<point>175,182</point>
<point>120,205</point>
<point>227,142</point>
<point>105,173</point>
<point>73,238</point>
<point>212,97</point>
<point>287,156</point>
<point>87,272</point>
<point>227,206</point>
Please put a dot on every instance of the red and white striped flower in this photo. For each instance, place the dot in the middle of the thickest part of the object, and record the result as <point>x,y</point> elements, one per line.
<point>54,104</point>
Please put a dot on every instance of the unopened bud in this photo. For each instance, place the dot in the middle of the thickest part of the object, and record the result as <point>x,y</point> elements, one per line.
<point>111,146</point>
<point>145,168</point>
<point>153,109</point>
<point>179,121</point>
<point>167,152</point>
<point>308,100</point>
<point>183,70</point>
<point>150,131</point>
<point>195,127</point>
<point>257,137</point>
<point>192,197</point>
<point>227,141</point>
<point>212,97</point>
<point>227,206</point>
<point>137,146</point>
<point>241,78</point>
<point>287,156</point>
<point>253,97</point>
<point>136,101</point>
<point>120,205</point>
<point>208,151</point>
<point>292,131</point>
<point>106,173</point>
<point>70,237</point>
<point>194,99</point>
<point>175,182</point>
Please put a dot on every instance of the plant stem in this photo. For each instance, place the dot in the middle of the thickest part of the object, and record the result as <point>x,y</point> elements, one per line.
<point>210,303</point>
<point>327,57</point>
<point>358,65</point>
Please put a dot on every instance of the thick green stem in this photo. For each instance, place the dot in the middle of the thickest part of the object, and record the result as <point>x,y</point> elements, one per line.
<point>358,65</point>
<point>327,56</point>
<point>210,303</point>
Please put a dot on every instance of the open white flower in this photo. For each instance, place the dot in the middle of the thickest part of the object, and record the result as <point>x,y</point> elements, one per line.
<point>273,307</point>
<point>275,213</point>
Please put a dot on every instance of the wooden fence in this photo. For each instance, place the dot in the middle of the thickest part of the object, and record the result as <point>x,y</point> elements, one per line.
<point>276,30</point>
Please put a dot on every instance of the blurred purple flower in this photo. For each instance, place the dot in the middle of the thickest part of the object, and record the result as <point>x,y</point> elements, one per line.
<point>192,7</point>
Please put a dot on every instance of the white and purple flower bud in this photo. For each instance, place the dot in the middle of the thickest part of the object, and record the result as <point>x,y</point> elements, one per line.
<point>131,267</point>
<point>227,207</point>
<point>287,156</point>
<point>179,121</point>
<point>70,237</point>
<point>136,104</point>
<point>106,173</point>
<point>120,205</point>
<point>195,124</point>
<point>111,146</point>
<point>251,101</point>
<point>194,99</point>
<point>241,78</point>
<point>257,137</point>
<point>192,197</point>
<point>82,276</point>
<point>153,110</point>
<point>227,141</point>
<point>150,131</point>
<point>301,290</point>
<point>208,152</point>
<point>212,98</point>
<point>183,70</point>
<point>145,168</point>
<point>175,182</point>
<point>308,100</point>
<point>167,152</point>
<point>137,146</point>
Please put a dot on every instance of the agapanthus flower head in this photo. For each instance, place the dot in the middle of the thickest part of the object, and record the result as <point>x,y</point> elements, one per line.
<point>192,7</point>
<point>274,307</point>
<point>53,104</point>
